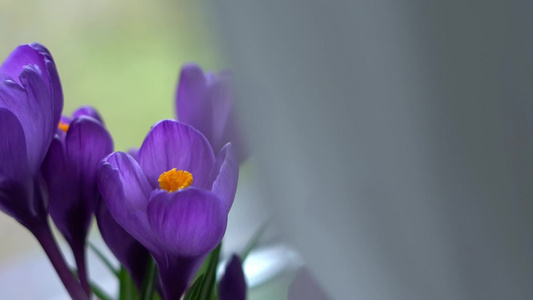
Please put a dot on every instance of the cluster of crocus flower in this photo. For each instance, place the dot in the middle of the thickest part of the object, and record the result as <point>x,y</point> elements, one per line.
<point>166,203</point>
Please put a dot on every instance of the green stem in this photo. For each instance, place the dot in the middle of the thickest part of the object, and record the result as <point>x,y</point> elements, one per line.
<point>149,281</point>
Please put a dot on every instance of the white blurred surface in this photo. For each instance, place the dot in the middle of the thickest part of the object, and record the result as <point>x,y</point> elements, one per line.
<point>394,140</point>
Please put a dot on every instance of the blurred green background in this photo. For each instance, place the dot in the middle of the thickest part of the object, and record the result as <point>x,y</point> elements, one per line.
<point>123,57</point>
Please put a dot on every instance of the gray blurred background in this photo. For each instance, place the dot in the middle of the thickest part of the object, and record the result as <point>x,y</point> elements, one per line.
<point>394,139</point>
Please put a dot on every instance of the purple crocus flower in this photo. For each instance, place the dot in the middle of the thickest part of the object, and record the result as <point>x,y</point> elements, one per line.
<point>69,170</point>
<point>206,102</point>
<point>232,286</point>
<point>31,101</point>
<point>175,200</point>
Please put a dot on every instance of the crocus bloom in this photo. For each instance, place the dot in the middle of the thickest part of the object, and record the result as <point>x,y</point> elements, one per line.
<point>232,286</point>
<point>31,101</point>
<point>70,172</point>
<point>206,102</point>
<point>175,200</point>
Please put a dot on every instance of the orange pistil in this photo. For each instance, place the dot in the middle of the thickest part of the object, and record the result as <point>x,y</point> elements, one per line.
<point>174,180</point>
<point>63,126</point>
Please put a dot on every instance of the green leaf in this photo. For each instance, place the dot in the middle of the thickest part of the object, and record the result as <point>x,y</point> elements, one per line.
<point>195,289</point>
<point>208,284</point>
<point>156,296</point>
<point>149,281</point>
<point>99,292</point>
<point>252,243</point>
<point>106,262</point>
<point>128,290</point>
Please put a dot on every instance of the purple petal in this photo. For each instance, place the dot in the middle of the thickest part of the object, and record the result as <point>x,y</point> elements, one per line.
<point>171,144</point>
<point>38,56</point>
<point>220,98</point>
<point>134,152</point>
<point>23,55</point>
<point>187,223</point>
<point>125,190</point>
<point>25,201</point>
<point>175,274</point>
<point>226,174</point>
<point>233,284</point>
<point>65,206</point>
<point>14,165</point>
<point>65,119</point>
<point>54,82</point>
<point>34,109</point>
<point>206,102</point>
<point>192,103</point>
<point>129,252</point>
<point>88,111</point>
<point>87,143</point>
<point>70,171</point>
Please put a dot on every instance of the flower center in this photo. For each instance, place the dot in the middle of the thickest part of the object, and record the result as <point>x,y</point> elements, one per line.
<point>174,180</point>
<point>63,126</point>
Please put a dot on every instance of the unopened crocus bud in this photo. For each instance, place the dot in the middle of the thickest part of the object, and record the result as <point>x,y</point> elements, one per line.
<point>70,172</point>
<point>232,286</point>
<point>206,101</point>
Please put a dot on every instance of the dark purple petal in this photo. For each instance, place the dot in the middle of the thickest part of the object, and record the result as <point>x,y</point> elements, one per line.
<point>70,171</point>
<point>40,58</point>
<point>32,106</point>
<point>25,201</point>
<point>20,193</point>
<point>171,144</point>
<point>226,172</point>
<point>176,273</point>
<point>129,252</point>
<point>192,103</point>
<point>63,187</point>
<point>54,82</point>
<point>187,223</point>
<point>87,143</point>
<point>13,157</point>
<point>233,284</point>
<point>126,190</point>
<point>22,56</point>
<point>88,111</point>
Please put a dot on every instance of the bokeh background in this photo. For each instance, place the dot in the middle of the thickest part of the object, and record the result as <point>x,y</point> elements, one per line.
<point>122,57</point>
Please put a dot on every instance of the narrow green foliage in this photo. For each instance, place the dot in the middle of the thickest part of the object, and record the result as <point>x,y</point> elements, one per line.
<point>149,281</point>
<point>106,262</point>
<point>252,243</point>
<point>195,289</point>
<point>99,292</point>
<point>128,290</point>
<point>209,282</point>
